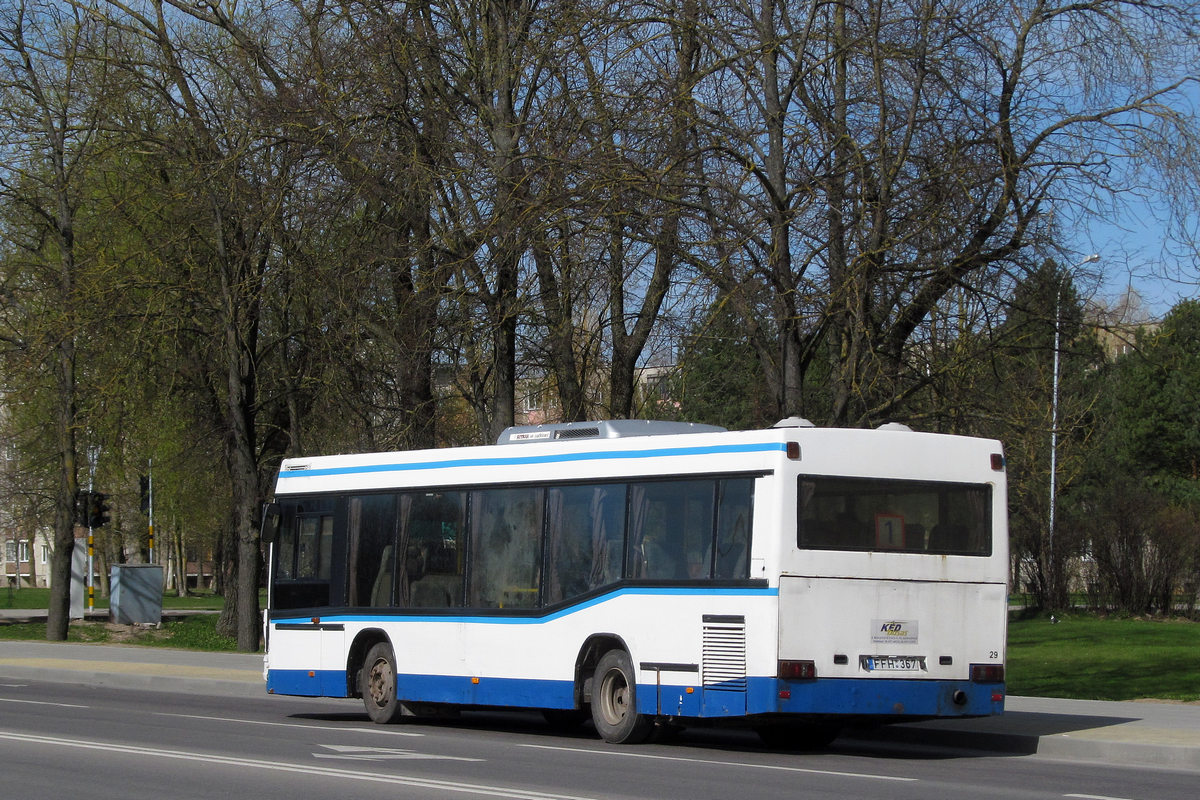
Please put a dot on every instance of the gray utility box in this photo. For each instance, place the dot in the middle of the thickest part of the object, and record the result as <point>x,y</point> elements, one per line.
<point>135,593</point>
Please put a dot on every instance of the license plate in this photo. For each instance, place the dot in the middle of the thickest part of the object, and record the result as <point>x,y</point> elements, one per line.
<point>893,663</point>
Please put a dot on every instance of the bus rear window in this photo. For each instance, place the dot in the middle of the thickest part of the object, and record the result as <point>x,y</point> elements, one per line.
<point>870,514</point>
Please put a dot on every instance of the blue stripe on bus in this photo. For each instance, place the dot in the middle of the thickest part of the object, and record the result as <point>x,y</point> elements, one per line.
<point>884,697</point>
<point>531,620</point>
<point>551,458</point>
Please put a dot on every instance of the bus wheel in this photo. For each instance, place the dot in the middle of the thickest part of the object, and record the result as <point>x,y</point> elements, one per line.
<point>614,701</point>
<point>379,684</point>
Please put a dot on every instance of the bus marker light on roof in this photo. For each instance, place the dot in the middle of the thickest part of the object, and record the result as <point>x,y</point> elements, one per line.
<point>797,670</point>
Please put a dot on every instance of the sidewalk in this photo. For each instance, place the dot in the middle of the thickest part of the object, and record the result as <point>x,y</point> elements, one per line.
<point>135,667</point>
<point>1141,733</point>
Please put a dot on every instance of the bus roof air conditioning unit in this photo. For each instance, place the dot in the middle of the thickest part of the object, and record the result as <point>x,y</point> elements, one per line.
<point>605,429</point>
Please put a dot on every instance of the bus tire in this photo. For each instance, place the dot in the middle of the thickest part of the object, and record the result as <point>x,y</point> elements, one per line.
<point>379,685</point>
<point>614,701</point>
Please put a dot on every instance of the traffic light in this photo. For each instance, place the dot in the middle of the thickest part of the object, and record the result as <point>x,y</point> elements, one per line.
<point>98,510</point>
<point>83,505</point>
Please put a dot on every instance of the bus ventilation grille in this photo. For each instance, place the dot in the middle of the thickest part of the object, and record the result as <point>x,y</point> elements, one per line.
<point>724,654</point>
<point>577,433</point>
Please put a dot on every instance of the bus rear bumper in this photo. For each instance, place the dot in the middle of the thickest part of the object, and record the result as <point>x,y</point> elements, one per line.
<point>878,697</point>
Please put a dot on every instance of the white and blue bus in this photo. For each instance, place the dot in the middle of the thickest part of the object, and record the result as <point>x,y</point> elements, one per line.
<point>652,574</point>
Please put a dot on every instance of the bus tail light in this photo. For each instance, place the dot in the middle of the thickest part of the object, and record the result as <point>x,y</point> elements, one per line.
<point>798,670</point>
<point>987,673</point>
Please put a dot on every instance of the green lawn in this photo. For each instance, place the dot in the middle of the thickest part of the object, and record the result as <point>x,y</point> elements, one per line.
<point>1096,658</point>
<point>40,598</point>
<point>195,632</point>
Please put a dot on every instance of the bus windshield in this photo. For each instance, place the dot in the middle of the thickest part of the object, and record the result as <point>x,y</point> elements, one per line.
<point>874,514</point>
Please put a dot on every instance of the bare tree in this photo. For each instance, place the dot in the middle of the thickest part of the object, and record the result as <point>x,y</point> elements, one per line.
<point>53,101</point>
<point>229,172</point>
<point>893,154</point>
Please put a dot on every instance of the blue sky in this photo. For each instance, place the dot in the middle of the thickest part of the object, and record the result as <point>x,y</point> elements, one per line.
<point>1137,251</point>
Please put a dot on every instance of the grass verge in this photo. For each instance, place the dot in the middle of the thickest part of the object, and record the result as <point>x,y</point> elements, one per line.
<point>40,598</point>
<point>192,632</point>
<point>1104,658</point>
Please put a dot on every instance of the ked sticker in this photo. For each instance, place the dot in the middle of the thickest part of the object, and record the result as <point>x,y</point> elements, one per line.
<point>900,631</point>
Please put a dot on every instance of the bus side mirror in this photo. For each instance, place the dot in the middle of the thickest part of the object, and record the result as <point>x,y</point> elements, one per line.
<point>272,514</point>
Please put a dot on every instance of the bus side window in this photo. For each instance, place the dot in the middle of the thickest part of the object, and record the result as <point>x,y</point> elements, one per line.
<point>314,547</point>
<point>285,552</point>
<point>371,523</point>
<point>506,546</point>
<point>571,529</point>
<point>303,556</point>
<point>431,546</point>
<point>670,524</point>
<point>734,516</point>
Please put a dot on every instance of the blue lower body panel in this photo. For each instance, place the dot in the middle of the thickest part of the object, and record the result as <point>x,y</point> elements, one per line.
<point>830,696</point>
<point>307,683</point>
<point>459,690</point>
<point>878,697</point>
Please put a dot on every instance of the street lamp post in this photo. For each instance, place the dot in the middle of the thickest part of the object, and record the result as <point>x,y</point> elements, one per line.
<point>1054,413</point>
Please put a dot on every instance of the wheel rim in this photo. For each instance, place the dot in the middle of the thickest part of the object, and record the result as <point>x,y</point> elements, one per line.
<point>614,697</point>
<point>380,682</point>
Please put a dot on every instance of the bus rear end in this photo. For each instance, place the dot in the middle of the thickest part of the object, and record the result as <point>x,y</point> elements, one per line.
<point>893,595</point>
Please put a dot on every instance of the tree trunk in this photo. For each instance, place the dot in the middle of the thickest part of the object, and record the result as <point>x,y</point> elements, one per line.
<point>180,560</point>
<point>58,616</point>
<point>243,472</point>
<point>558,310</point>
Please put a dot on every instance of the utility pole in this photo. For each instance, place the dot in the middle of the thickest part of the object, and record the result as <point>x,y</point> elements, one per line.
<point>1054,420</point>
<point>93,457</point>
<point>150,503</point>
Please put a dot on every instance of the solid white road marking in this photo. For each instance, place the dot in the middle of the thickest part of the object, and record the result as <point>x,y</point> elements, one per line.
<point>381,730</point>
<point>1093,797</point>
<point>355,753</point>
<point>624,754</point>
<point>41,703</point>
<point>302,769</point>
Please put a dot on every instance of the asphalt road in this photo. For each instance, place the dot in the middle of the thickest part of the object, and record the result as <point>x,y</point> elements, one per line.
<point>61,741</point>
